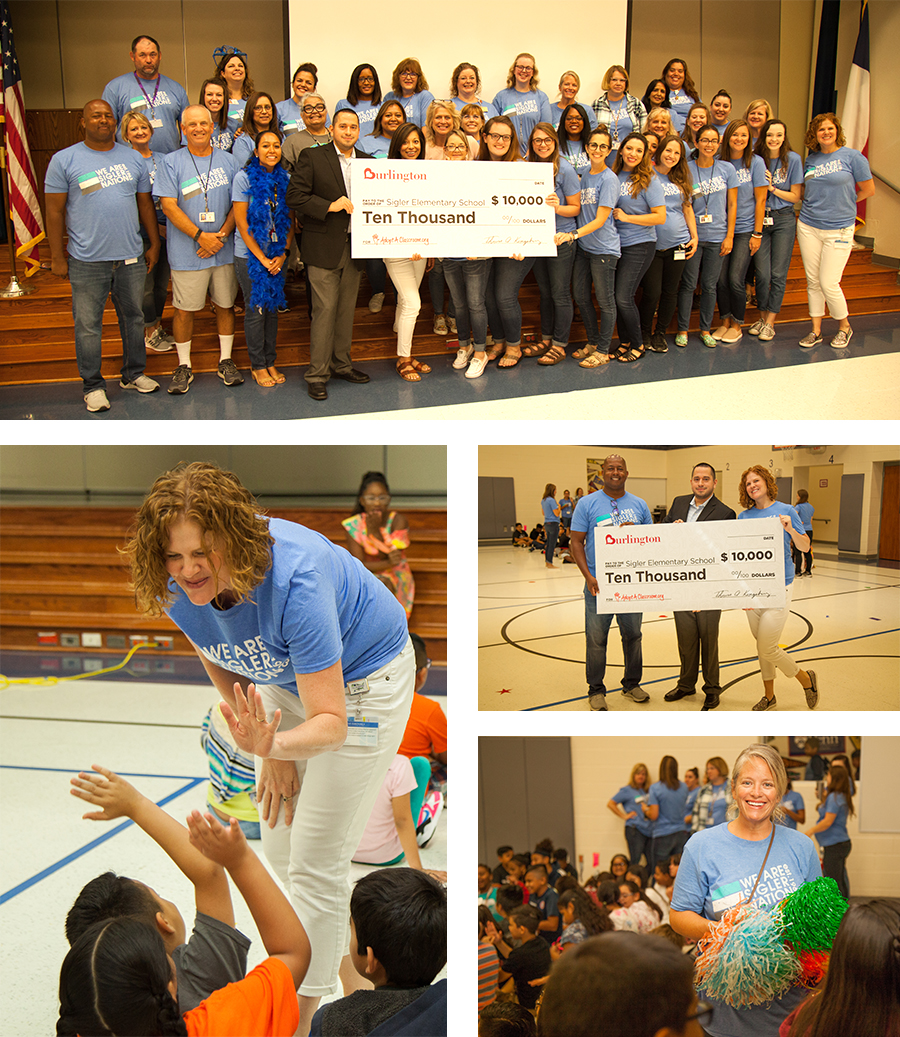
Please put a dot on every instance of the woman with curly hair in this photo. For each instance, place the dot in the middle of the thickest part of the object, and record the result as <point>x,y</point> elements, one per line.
<point>836,179</point>
<point>465,89</point>
<point>410,87</point>
<point>295,635</point>
<point>759,496</point>
<point>682,92</point>
<point>659,121</point>
<point>521,101</point>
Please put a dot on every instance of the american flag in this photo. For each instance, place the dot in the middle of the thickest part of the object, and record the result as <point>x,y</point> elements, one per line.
<point>28,226</point>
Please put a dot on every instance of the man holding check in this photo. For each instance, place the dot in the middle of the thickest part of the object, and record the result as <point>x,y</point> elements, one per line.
<point>610,506</point>
<point>698,631</point>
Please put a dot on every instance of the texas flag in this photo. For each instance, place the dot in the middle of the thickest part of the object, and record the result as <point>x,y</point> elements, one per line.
<point>855,117</point>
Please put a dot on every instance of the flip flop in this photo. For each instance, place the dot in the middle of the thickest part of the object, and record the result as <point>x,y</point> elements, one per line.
<point>511,359</point>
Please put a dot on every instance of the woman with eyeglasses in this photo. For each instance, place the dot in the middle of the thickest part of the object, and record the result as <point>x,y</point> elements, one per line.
<point>597,253</point>
<point>574,134</point>
<point>259,116</point>
<point>389,119</point>
<point>499,143</point>
<point>715,209</point>
<point>521,102</point>
<point>622,112</point>
<point>569,85</point>
<point>363,96</point>
<point>554,273</point>
<point>682,92</point>
<point>410,87</point>
<point>306,80</point>
<point>465,89</point>
<point>379,538</point>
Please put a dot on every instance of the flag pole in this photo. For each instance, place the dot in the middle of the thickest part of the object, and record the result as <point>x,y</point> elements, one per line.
<point>15,289</point>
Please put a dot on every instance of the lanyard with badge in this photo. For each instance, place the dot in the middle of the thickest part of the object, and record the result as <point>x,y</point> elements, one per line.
<point>616,115</point>
<point>155,123</point>
<point>706,217</point>
<point>361,730</point>
<point>206,216</point>
<point>768,221</point>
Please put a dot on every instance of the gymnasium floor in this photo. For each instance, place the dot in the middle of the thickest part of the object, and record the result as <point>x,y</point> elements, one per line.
<point>751,379</point>
<point>845,624</point>
<point>145,729</point>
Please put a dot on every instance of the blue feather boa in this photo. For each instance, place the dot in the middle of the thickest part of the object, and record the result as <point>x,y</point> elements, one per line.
<point>267,206</point>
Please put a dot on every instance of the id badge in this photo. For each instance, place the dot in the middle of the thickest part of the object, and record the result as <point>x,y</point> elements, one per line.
<point>768,221</point>
<point>273,235</point>
<point>156,123</point>
<point>680,253</point>
<point>705,219</point>
<point>362,731</point>
<point>207,217</point>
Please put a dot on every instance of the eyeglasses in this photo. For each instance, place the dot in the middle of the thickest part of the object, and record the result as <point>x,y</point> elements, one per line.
<point>262,108</point>
<point>454,147</point>
<point>598,147</point>
<point>310,109</point>
<point>540,142</point>
<point>524,68</point>
<point>703,1014</point>
<point>366,79</point>
<point>409,75</point>
<point>498,137</point>
<point>379,499</point>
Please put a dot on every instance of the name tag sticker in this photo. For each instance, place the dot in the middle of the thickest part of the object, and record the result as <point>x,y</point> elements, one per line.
<point>362,731</point>
<point>207,217</point>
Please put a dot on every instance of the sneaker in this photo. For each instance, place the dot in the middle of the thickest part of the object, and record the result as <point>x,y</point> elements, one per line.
<point>159,341</point>
<point>597,702</point>
<point>756,328</point>
<point>719,333</point>
<point>440,324</point>
<point>767,333</point>
<point>708,340</point>
<point>812,692</point>
<point>96,400</point>
<point>451,324</point>
<point>681,339</point>
<point>658,343</point>
<point>462,357</point>
<point>476,367</point>
<point>842,339</point>
<point>142,383</point>
<point>810,340</point>
<point>636,694</point>
<point>376,302</point>
<point>764,704</point>
<point>229,374</point>
<point>181,379</point>
<point>428,817</point>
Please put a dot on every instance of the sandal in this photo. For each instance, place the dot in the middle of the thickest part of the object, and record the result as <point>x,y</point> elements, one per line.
<point>628,356</point>
<point>585,350</point>
<point>276,375</point>
<point>553,356</point>
<point>495,351</point>
<point>406,370</point>
<point>263,378</point>
<point>509,358</point>
<point>535,350</point>
<point>595,359</point>
<point>420,367</point>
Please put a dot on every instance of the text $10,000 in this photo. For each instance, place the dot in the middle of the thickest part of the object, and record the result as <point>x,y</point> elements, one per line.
<point>747,556</point>
<point>511,199</point>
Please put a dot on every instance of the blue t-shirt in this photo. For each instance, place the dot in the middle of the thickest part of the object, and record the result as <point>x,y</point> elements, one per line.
<point>599,190</point>
<point>835,803</point>
<point>710,192</point>
<point>489,110</point>
<point>748,178</point>
<point>548,905</point>
<point>151,164</point>
<point>672,805</point>
<point>242,149</point>
<point>577,158</point>
<point>163,103</point>
<point>101,210</point>
<point>221,139</point>
<point>566,507</point>
<point>316,605</point>
<point>236,113</point>
<point>525,110</point>
<point>374,147</point>
<point>794,801</point>
<point>416,107</point>
<point>597,506</point>
<point>717,870</point>
<point>675,230</point>
<point>289,118</point>
<point>364,109</point>
<point>566,183</point>
<point>680,104</point>
<point>829,200</point>
<point>805,511</point>
<point>784,179</point>
<point>777,508</point>
<point>184,177</point>
<point>650,196</point>
<point>630,799</point>
<point>548,504</point>
<point>689,806</point>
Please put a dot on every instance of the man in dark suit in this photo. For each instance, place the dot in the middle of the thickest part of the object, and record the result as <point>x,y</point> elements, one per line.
<point>319,192</point>
<point>698,632</point>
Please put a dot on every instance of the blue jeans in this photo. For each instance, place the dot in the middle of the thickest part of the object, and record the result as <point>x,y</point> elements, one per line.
<point>551,529</point>
<point>602,270</point>
<point>502,298</point>
<point>638,844</point>
<point>436,279</point>
<point>156,284</point>
<point>260,326</point>
<point>467,280</point>
<point>376,274</point>
<point>774,258</point>
<point>92,284</point>
<point>633,264</point>
<point>662,846</point>
<point>705,263</point>
<point>596,632</point>
<point>249,828</point>
<point>731,292</point>
<point>554,278</point>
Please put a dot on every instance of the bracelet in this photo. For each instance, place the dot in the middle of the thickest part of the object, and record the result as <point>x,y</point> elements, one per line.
<point>197,235</point>
<point>756,234</point>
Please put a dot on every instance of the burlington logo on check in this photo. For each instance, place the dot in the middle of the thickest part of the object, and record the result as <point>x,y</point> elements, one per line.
<point>89,182</point>
<point>191,187</point>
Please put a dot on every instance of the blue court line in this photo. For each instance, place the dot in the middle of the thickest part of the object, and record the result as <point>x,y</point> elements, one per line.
<point>724,666</point>
<point>28,883</point>
<point>122,774</point>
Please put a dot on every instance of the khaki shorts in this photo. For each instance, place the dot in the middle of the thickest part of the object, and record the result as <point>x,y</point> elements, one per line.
<point>189,287</point>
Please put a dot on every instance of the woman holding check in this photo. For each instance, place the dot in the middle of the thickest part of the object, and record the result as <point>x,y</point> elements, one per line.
<point>297,636</point>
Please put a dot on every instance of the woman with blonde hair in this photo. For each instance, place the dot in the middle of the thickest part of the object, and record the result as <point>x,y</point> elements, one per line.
<point>521,102</point>
<point>621,111</point>
<point>659,121</point>
<point>627,804</point>
<point>569,85</point>
<point>756,115</point>
<point>410,87</point>
<point>441,118</point>
<point>758,493</point>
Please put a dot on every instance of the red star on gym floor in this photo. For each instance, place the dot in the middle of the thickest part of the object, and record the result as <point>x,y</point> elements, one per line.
<point>505,691</point>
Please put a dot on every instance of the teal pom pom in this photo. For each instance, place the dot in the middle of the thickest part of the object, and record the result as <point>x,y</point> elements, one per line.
<point>743,960</point>
<point>811,915</point>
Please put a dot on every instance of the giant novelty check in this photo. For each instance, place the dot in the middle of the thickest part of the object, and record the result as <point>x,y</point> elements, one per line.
<point>455,209</point>
<point>690,565</point>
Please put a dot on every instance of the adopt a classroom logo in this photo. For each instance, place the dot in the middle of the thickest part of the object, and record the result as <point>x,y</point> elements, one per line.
<point>108,176</point>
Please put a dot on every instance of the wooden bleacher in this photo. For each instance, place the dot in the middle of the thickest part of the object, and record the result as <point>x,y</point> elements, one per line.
<point>60,572</point>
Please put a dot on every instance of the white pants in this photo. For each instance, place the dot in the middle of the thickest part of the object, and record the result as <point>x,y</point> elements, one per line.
<point>337,792</point>
<point>825,254</point>
<point>407,276</point>
<point>766,626</point>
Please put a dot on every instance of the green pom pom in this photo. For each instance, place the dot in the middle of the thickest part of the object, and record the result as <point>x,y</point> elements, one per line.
<point>811,915</point>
